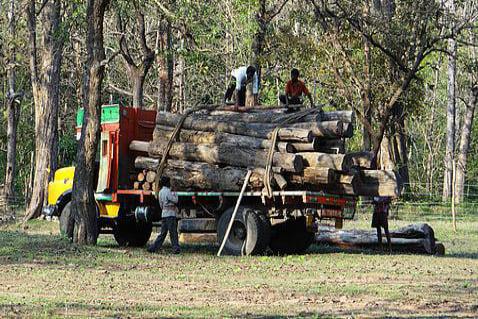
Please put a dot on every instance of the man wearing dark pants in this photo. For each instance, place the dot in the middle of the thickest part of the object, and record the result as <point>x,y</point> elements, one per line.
<point>167,201</point>
<point>240,77</point>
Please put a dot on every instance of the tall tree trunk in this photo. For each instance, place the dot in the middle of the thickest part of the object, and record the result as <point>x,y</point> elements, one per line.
<point>367,91</point>
<point>13,112</point>
<point>450,114</point>
<point>137,71</point>
<point>464,147</point>
<point>165,68</point>
<point>85,230</point>
<point>45,66</point>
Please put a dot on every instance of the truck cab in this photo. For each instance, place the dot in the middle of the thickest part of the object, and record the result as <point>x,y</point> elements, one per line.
<point>117,203</point>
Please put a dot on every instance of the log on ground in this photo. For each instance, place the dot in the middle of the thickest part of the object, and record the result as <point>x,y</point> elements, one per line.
<point>419,242</point>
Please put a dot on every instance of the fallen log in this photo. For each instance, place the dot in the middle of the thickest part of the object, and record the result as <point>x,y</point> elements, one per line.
<point>416,238</point>
<point>239,128</point>
<point>322,160</point>
<point>201,137</point>
<point>227,154</point>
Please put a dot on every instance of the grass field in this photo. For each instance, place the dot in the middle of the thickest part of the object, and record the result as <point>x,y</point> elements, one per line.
<point>43,275</point>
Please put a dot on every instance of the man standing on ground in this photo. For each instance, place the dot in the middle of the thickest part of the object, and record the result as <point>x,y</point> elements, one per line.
<point>294,90</point>
<point>381,205</point>
<point>169,223</point>
<point>240,78</point>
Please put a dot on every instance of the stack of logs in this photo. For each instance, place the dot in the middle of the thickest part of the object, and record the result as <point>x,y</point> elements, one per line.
<point>214,150</point>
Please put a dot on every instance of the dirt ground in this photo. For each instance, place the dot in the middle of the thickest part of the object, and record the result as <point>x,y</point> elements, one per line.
<point>43,275</point>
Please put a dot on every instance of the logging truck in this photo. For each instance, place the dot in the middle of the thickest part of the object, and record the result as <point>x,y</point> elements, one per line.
<point>284,223</point>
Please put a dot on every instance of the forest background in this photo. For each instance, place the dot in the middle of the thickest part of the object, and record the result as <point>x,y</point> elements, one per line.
<point>407,68</point>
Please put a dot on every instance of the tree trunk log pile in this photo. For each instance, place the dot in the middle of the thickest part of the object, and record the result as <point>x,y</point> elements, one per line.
<point>214,149</point>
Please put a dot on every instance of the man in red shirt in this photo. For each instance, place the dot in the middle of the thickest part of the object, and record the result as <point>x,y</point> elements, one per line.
<point>294,90</point>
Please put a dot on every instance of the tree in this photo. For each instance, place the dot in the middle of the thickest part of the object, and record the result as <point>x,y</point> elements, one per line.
<point>466,132</point>
<point>412,34</point>
<point>450,111</point>
<point>83,227</point>
<point>137,70</point>
<point>45,67</point>
<point>13,108</point>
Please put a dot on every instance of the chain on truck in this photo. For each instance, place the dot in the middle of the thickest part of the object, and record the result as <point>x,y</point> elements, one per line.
<point>284,223</point>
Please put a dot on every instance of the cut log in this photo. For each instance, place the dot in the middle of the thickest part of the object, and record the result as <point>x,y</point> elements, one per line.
<point>328,129</point>
<point>136,185</point>
<point>239,128</point>
<point>197,238</point>
<point>200,137</point>
<point>227,154</point>
<point>139,146</point>
<point>379,183</point>
<point>146,186</point>
<point>360,159</point>
<point>141,177</point>
<point>322,160</point>
<point>417,238</point>
<point>314,176</point>
<point>150,176</point>
<point>202,176</point>
<point>319,144</point>
<point>279,180</point>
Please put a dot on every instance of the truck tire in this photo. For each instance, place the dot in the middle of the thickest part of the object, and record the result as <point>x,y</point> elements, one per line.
<point>131,233</point>
<point>249,234</point>
<point>291,237</point>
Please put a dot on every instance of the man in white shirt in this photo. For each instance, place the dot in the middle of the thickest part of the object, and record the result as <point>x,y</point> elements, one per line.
<point>169,223</point>
<point>240,78</point>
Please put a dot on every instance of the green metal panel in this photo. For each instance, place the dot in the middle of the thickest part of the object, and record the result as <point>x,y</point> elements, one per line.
<point>109,114</point>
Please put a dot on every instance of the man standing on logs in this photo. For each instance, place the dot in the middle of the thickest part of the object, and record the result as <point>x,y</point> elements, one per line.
<point>294,90</point>
<point>169,223</point>
<point>241,77</point>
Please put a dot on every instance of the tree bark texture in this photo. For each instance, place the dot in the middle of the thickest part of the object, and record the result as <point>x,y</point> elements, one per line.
<point>226,154</point>
<point>239,128</point>
<point>13,112</point>
<point>137,71</point>
<point>85,230</point>
<point>417,238</point>
<point>45,67</point>
<point>464,146</point>
<point>450,114</point>
<point>201,137</point>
